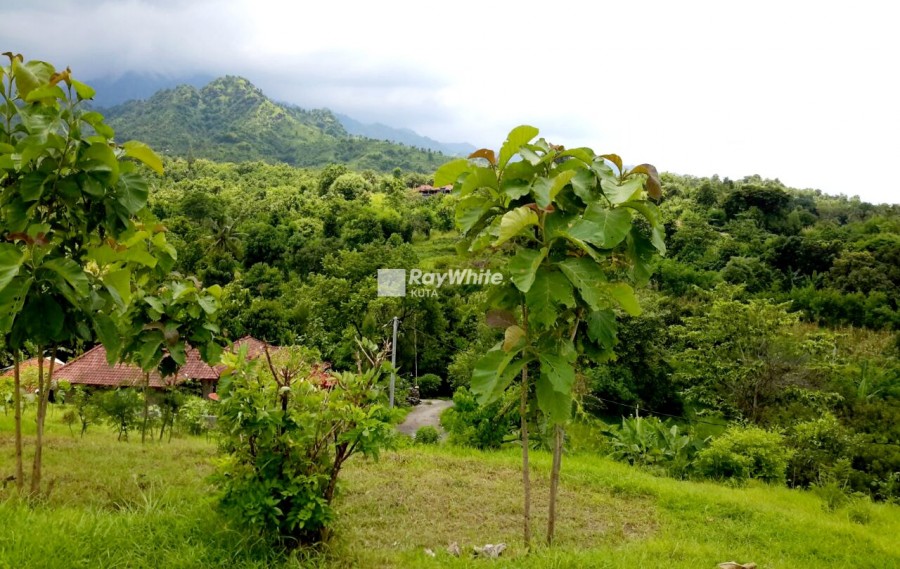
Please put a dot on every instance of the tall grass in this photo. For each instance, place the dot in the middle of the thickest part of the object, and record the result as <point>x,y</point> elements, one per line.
<point>130,505</point>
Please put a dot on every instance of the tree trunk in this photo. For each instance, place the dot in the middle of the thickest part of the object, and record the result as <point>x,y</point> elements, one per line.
<point>146,407</point>
<point>17,402</point>
<point>526,478</point>
<point>554,481</point>
<point>44,384</point>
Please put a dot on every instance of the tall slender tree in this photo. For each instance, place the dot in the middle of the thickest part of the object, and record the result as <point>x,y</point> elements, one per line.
<point>579,230</point>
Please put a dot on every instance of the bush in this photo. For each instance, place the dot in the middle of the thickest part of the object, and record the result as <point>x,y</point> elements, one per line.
<point>651,442</point>
<point>86,407</point>
<point>195,415</point>
<point>429,385</point>
<point>482,427</point>
<point>286,435</point>
<point>122,407</point>
<point>817,444</point>
<point>742,453</point>
<point>427,435</point>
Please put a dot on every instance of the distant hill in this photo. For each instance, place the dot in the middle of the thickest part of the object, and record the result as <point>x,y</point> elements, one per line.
<point>405,136</point>
<point>112,91</point>
<point>232,120</point>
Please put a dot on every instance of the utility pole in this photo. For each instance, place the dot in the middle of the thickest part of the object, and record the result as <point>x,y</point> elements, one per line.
<point>416,349</point>
<point>396,321</point>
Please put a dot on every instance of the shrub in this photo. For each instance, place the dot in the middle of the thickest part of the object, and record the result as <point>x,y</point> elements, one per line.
<point>429,385</point>
<point>287,434</point>
<point>427,435</point>
<point>86,407</point>
<point>194,415</point>
<point>651,442</point>
<point>122,407</point>
<point>817,444</point>
<point>741,453</point>
<point>481,426</point>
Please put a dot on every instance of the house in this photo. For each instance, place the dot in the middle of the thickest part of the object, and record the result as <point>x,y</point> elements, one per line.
<point>92,369</point>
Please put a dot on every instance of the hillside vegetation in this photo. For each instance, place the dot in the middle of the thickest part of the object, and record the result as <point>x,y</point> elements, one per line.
<point>230,119</point>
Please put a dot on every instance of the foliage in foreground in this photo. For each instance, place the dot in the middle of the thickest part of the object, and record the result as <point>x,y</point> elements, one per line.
<point>287,432</point>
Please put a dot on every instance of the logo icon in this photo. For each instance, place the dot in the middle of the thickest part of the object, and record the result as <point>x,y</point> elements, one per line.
<point>392,282</point>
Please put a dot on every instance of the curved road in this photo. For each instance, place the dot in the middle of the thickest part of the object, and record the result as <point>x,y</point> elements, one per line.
<point>428,412</point>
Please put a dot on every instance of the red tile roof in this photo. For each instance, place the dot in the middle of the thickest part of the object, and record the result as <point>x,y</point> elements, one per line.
<point>33,362</point>
<point>91,368</point>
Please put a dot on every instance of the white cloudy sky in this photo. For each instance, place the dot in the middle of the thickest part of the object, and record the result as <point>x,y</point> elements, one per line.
<point>803,91</point>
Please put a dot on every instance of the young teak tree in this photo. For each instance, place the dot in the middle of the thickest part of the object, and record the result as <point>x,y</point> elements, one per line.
<point>67,190</point>
<point>579,230</point>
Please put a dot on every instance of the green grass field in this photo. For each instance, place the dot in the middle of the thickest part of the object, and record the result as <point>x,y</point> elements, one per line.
<point>130,505</point>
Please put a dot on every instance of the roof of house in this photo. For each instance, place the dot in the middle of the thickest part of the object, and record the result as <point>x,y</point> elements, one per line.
<point>91,368</point>
<point>33,362</point>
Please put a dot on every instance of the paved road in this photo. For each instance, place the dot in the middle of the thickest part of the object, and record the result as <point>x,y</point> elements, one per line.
<point>428,412</point>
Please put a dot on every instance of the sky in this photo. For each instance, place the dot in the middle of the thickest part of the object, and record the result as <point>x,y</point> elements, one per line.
<point>806,92</point>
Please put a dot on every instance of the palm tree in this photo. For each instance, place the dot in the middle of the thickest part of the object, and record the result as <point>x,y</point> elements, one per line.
<point>225,238</point>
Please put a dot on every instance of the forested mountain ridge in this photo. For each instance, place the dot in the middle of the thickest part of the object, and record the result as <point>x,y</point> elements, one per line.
<point>232,120</point>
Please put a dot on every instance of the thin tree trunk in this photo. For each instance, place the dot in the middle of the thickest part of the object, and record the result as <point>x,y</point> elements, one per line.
<point>526,478</point>
<point>554,481</point>
<point>41,416</point>
<point>17,402</point>
<point>146,407</point>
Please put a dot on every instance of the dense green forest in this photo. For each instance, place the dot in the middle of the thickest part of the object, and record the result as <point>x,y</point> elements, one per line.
<point>774,308</point>
<point>230,119</point>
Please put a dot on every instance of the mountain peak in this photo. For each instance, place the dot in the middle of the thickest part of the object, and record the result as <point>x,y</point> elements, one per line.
<point>231,119</point>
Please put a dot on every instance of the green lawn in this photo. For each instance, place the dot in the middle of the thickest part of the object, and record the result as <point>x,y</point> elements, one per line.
<point>130,505</point>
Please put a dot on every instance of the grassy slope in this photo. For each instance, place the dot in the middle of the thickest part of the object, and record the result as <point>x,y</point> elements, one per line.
<point>127,505</point>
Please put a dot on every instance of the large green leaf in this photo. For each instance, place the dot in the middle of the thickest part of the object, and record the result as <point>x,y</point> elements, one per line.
<point>150,351</point>
<point>587,277</point>
<point>584,183</point>
<point>10,260</point>
<point>12,297</point>
<point>100,157</point>
<point>133,192</point>
<point>479,177</point>
<point>71,272</point>
<point>517,137</point>
<point>612,225</point>
<point>559,371</point>
<point>489,379</point>
<point>83,91</point>
<point>108,335</point>
<point>640,253</point>
<point>470,210</point>
<point>119,284</point>
<point>624,295</point>
<point>43,319</point>
<point>550,290</point>
<point>142,152</point>
<point>26,80</point>
<point>450,172</point>
<point>514,222</point>
<point>555,405</point>
<point>523,266</point>
<point>618,193</point>
<point>545,189</point>
<point>602,328</point>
